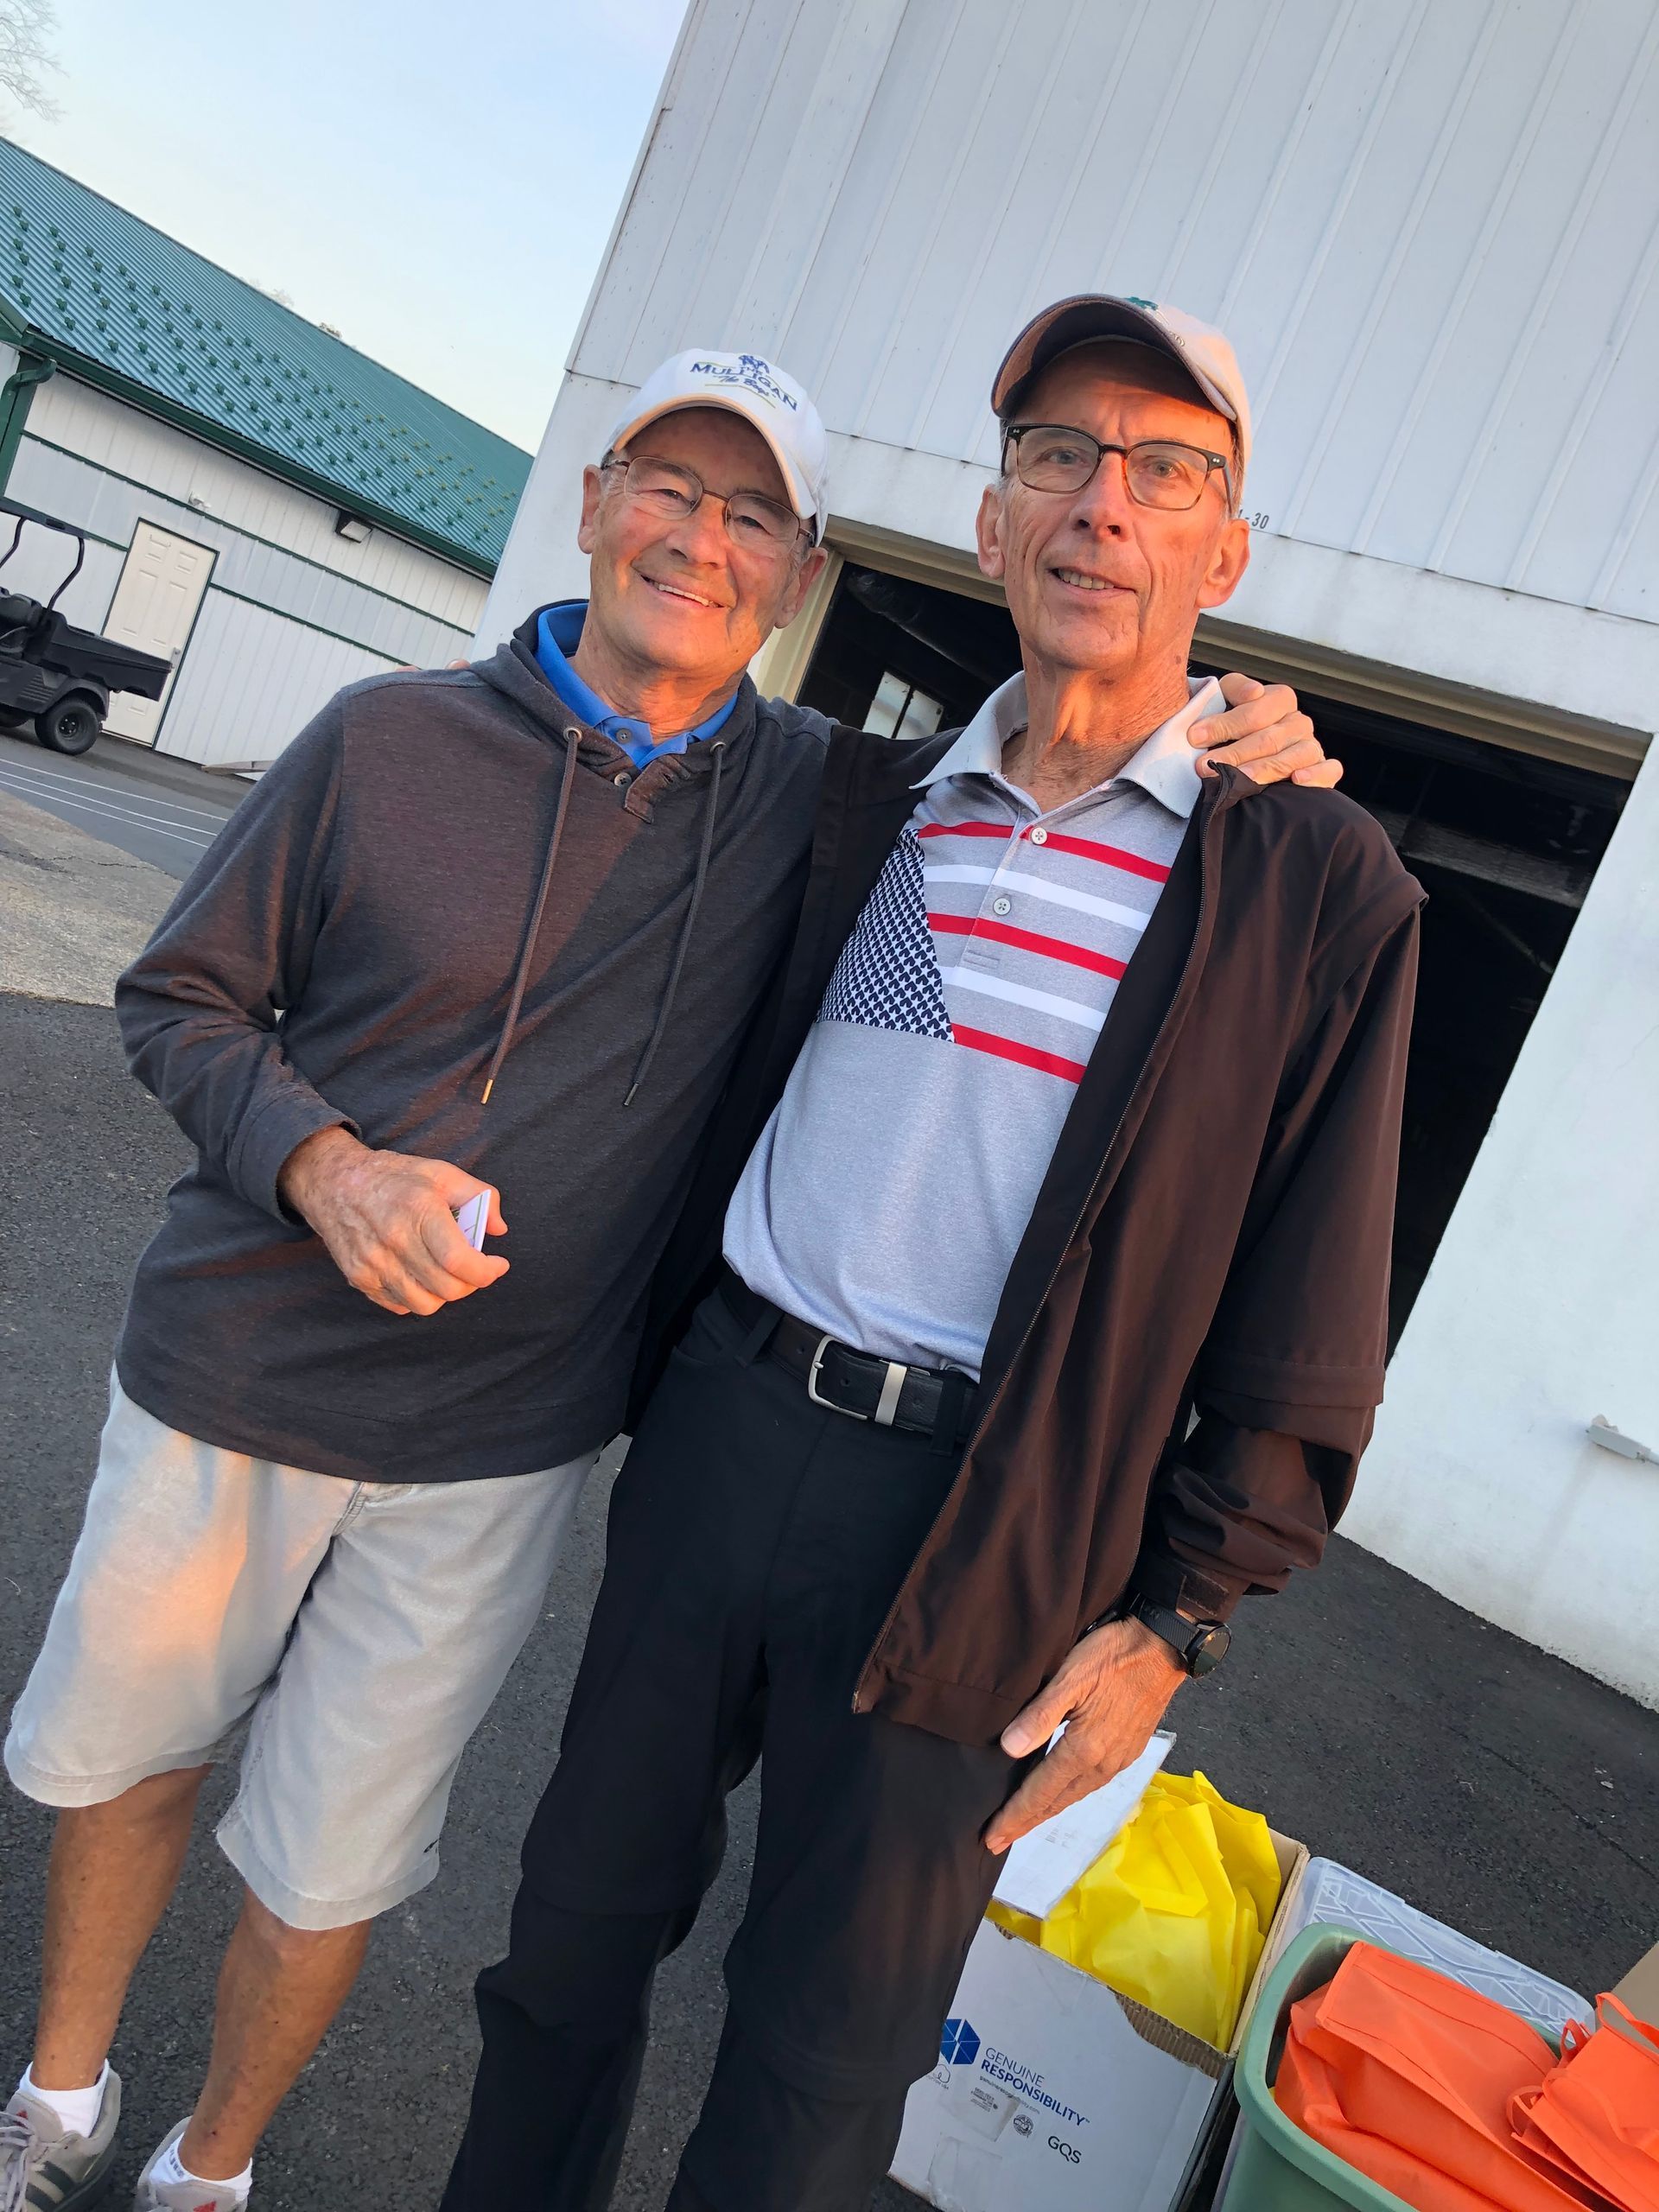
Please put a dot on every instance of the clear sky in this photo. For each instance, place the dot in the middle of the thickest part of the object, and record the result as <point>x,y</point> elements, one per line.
<point>437,181</point>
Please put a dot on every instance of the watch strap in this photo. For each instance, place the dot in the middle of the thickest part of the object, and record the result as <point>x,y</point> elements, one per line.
<point>1193,1641</point>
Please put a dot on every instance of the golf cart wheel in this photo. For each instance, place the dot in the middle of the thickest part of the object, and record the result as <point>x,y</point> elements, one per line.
<point>67,726</point>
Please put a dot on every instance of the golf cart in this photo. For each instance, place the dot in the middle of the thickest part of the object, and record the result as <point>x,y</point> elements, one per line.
<point>53,675</point>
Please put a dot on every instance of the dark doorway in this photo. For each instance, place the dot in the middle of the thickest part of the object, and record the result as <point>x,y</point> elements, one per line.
<point>947,647</point>
<point>1504,843</point>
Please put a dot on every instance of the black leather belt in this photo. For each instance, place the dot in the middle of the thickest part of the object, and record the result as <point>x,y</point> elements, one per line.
<point>940,1403</point>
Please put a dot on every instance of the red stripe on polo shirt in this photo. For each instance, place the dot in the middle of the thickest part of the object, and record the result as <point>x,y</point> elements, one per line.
<point>1113,855</point>
<point>1004,1048</point>
<point>1028,941</point>
<point>1086,847</point>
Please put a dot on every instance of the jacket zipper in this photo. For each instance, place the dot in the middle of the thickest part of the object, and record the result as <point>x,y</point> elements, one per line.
<point>1208,841</point>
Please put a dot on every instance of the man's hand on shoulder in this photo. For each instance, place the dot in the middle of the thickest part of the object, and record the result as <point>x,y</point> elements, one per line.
<point>1111,1692</point>
<point>1266,735</point>
<point>388,1219</point>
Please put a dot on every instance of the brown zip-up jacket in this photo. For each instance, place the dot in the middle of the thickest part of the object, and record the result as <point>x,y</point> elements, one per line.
<point>1211,1238</point>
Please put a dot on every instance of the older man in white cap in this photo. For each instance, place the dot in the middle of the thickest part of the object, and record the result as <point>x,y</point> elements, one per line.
<point>483,944</point>
<point>1051,1321</point>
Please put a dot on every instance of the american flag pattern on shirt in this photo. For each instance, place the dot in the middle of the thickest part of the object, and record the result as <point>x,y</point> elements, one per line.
<point>1002,931</point>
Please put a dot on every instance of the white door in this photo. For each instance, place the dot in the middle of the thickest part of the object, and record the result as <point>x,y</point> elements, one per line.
<point>155,605</point>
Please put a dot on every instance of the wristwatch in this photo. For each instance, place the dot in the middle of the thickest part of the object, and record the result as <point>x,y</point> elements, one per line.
<point>1199,1645</point>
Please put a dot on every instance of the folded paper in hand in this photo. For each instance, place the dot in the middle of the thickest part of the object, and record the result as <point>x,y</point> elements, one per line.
<point>1043,1865</point>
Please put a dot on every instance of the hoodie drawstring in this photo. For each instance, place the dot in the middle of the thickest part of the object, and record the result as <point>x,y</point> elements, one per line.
<point>717,747</point>
<point>566,783</point>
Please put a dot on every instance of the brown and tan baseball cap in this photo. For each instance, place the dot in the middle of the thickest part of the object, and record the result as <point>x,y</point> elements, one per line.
<point>1203,352</point>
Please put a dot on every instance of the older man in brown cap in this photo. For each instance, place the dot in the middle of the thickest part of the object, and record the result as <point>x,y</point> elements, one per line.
<point>1050,1325</point>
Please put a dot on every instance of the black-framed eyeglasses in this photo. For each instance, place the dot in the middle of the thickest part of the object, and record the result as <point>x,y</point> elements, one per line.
<point>670,489</point>
<point>1157,472</point>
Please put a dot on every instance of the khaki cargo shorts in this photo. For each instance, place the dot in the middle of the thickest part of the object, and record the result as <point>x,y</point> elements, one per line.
<point>358,1630</point>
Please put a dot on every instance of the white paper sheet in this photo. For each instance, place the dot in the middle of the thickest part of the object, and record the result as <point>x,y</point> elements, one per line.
<point>1043,1865</point>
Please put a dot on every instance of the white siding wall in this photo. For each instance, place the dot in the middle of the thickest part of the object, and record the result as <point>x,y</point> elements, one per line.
<point>292,611</point>
<point>239,690</point>
<point>126,444</point>
<point>1432,232</point>
<point>43,560</point>
<point>1541,1311</point>
<point>108,507</point>
<point>541,560</point>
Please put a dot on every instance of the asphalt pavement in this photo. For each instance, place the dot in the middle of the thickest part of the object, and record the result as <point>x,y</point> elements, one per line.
<point>159,809</point>
<point>1494,1786</point>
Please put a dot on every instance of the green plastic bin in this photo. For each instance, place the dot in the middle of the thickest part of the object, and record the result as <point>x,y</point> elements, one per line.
<point>1278,2168</point>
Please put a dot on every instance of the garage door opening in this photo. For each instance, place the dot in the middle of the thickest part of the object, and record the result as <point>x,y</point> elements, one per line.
<point>1504,843</point>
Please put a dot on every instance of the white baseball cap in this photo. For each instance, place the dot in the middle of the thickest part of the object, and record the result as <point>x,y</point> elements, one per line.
<point>761,393</point>
<point>1203,352</point>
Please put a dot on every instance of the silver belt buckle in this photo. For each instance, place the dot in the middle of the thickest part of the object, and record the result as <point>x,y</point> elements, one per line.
<point>887,1405</point>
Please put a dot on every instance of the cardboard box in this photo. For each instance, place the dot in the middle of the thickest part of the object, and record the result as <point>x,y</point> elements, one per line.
<point>1053,2094</point>
<point>1639,1991</point>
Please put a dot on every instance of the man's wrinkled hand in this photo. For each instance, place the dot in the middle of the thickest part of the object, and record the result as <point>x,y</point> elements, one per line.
<point>1111,1692</point>
<point>1266,735</point>
<point>388,1219</point>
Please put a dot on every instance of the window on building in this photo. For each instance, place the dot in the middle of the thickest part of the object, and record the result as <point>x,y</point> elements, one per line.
<point>900,709</point>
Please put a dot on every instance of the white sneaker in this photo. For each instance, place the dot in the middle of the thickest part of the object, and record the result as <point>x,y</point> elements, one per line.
<point>44,2170</point>
<point>153,2195</point>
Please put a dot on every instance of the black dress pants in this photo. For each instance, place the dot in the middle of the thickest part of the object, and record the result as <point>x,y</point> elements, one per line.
<point>756,1543</point>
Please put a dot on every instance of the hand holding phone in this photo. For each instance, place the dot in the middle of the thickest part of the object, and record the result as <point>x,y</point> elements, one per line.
<point>473,1220</point>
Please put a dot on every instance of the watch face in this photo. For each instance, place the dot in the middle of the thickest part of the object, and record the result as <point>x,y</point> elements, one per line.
<point>1207,1649</point>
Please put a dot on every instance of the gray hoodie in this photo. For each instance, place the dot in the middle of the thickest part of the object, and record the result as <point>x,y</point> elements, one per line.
<point>444,875</point>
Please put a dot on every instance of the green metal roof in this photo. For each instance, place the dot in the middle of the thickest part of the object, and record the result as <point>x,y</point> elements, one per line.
<point>129,308</point>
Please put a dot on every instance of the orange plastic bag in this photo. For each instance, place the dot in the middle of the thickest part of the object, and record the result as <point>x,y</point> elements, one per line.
<point>1595,2116</point>
<point>1408,2076</point>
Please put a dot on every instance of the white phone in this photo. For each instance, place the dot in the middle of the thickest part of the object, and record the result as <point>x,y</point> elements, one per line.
<point>473,1218</point>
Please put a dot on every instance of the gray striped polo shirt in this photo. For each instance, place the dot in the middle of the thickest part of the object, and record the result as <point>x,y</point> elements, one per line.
<point>886,1198</point>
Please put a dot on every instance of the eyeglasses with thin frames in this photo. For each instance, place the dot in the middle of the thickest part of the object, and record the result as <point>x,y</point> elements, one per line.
<point>675,491</point>
<point>1157,472</point>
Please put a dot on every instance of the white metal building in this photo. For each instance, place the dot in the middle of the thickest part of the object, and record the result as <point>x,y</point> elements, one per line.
<point>1433,234</point>
<point>263,504</point>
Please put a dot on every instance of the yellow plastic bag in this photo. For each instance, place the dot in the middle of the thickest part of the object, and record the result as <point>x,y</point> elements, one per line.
<point>1174,1912</point>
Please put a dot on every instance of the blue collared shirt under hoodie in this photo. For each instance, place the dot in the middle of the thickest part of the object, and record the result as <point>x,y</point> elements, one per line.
<point>558,632</point>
